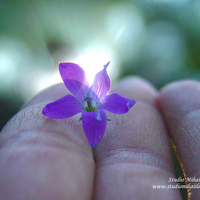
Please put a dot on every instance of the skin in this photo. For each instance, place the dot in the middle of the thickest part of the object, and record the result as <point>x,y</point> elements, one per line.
<point>42,158</point>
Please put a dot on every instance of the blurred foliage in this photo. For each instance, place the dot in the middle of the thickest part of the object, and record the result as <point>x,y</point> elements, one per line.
<point>158,40</point>
<point>178,172</point>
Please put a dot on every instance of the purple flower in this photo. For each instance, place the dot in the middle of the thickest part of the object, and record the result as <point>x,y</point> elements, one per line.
<point>91,101</point>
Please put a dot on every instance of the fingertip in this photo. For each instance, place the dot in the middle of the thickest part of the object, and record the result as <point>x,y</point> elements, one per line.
<point>49,94</point>
<point>137,88</point>
<point>180,97</point>
<point>186,85</point>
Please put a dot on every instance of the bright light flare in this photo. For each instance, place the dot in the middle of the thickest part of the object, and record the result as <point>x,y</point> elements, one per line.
<point>92,61</point>
<point>46,80</point>
<point>41,81</point>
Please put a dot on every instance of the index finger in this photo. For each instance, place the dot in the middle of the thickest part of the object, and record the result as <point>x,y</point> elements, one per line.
<point>134,156</point>
<point>42,158</point>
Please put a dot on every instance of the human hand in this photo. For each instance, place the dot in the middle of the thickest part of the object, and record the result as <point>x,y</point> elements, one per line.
<point>43,158</point>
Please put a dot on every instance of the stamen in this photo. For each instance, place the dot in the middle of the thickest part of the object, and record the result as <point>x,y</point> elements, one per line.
<point>89,104</point>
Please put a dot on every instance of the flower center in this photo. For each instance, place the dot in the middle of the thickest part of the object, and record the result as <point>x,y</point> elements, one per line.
<point>89,107</point>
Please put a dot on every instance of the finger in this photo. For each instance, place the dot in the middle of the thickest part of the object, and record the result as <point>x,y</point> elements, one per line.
<point>180,105</point>
<point>42,158</point>
<point>48,95</point>
<point>134,153</point>
<point>137,88</point>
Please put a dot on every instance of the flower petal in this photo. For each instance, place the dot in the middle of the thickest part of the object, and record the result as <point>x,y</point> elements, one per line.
<point>101,84</point>
<point>64,107</point>
<point>94,125</point>
<point>74,78</point>
<point>117,104</point>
